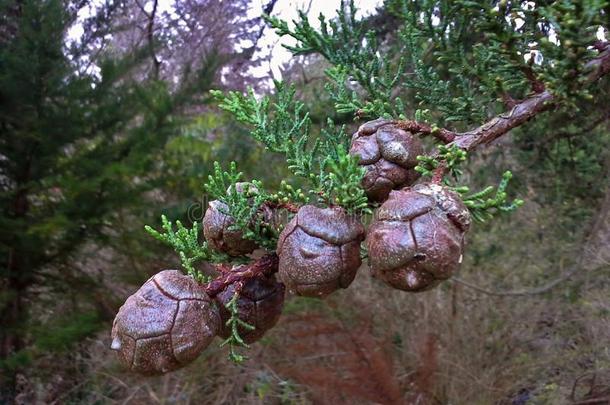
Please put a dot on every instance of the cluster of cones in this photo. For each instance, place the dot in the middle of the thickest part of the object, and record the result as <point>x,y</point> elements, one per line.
<point>414,242</point>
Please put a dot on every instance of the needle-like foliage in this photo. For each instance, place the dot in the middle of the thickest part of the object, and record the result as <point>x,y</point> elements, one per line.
<point>185,242</point>
<point>355,53</point>
<point>282,125</point>
<point>449,156</point>
<point>234,323</point>
<point>483,205</point>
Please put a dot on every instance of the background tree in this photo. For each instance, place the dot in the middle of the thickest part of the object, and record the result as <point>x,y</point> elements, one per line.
<point>84,122</point>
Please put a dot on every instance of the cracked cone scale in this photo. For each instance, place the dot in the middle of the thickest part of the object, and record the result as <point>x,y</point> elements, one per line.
<point>417,237</point>
<point>319,251</point>
<point>164,325</point>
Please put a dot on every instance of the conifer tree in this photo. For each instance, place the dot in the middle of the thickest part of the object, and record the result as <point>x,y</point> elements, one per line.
<point>81,130</point>
<point>460,73</point>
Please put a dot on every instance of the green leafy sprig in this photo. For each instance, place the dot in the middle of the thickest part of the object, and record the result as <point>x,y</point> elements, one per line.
<point>234,323</point>
<point>341,185</point>
<point>288,194</point>
<point>280,123</point>
<point>450,156</point>
<point>243,205</point>
<point>220,181</point>
<point>350,99</point>
<point>354,51</point>
<point>483,205</point>
<point>185,243</point>
<point>283,126</point>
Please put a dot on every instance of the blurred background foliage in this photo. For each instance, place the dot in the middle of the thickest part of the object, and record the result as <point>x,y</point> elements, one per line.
<point>107,127</point>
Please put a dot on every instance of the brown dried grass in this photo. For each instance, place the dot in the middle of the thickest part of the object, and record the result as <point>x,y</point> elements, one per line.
<point>342,364</point>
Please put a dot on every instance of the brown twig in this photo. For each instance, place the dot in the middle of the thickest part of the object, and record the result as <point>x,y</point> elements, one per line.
<point>266,265</point>
<point>537,86</point>
<point>508,100</point>
<point>150,37</point>
<point>443,135</point>
<point>439,173</point>
<point>522,112</point>
<point>592,401</point>
<point>500,125</point>
<point>527,109</point>
<point>288,206</point>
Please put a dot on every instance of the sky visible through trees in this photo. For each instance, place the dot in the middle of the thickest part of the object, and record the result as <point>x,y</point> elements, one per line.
<point>269,44</point>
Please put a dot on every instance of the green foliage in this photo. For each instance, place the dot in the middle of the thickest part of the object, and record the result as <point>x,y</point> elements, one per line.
<point>243,206</point>
<point>283,126</point>
<point>449,156</point>
<point>287,193</point>
<point>355,53</point>
<point>341,184</point>
<point>482,205</point>
<point>280,124</point>
<point>490,201</point>
<point>234,322</point>
<point>221,181</point>
<point>379,101</point>
<point>468,54</point>
<point>185,242</point>
<point>462,59</point>
<point>334,41</point>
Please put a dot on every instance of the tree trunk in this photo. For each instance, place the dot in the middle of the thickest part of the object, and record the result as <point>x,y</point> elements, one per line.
<point>14,312</point>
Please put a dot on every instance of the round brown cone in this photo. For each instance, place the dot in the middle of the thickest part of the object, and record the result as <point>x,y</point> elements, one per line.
<point>218,233</point>
<point>389,155</point>
<point>319,251</point>
<point>260,304</point>
<point>217,225</point>
<point>164,325</point>
<point>416,239</point>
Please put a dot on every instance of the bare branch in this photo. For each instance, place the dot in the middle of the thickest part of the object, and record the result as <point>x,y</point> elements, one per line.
<point>150,29</point>
<point>516,293</point>
<point>500,125</point>
<point>442,134</point>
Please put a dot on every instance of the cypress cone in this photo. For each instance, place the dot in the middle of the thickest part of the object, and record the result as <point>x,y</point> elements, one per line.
<point>417,237</point>
<point>217,226</point>
<point>164,325</point>
<point>389,155</point>
<point>319,251</point>
<point>260,304</point>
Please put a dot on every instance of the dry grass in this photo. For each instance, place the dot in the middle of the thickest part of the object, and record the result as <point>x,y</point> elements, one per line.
<point>369,344</point>
<point>374,345</point>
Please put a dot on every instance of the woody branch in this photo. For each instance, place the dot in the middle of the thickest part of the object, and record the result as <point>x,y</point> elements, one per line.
<point>521,112</point>
<point>470,140</point>
<point>266,265</point>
